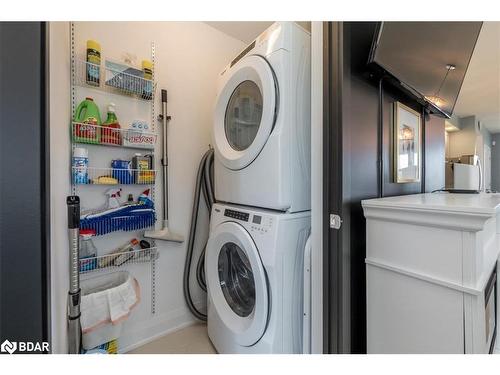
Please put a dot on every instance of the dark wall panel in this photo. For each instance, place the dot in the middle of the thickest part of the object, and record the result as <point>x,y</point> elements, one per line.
<point>23,177</point>
<point>360,111</point>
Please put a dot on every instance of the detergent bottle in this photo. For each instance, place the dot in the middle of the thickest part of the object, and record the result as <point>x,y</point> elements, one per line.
<point>108,135</point>
<point>86,122</point>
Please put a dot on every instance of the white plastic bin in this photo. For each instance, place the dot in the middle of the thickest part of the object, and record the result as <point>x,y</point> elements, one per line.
<point>106,303</point>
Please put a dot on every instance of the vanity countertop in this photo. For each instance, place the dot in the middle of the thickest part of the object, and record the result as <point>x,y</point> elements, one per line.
<point>483,203</point>
<point>429,262</point>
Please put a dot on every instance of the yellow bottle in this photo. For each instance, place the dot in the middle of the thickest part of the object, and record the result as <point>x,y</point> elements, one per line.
<point>147,88</point>
<point>93,62</point>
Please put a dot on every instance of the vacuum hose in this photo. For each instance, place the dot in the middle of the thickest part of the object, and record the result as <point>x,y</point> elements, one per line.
<point>205,185</point>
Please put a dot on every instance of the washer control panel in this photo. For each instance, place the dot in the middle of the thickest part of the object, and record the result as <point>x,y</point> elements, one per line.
<point>261,224</point>
<point>243,216</point>
<point>256,223</point>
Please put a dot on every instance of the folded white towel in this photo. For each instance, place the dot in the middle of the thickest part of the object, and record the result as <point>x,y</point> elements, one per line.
<point>107,301</point>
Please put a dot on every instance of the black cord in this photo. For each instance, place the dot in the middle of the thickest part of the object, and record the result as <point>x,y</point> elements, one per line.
<point>204,184</point>
<point>438,190</point>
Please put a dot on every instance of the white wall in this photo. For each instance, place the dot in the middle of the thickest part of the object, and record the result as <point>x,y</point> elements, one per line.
<point>469,140</point>
<point>189,57</point>
<point>463,142</point>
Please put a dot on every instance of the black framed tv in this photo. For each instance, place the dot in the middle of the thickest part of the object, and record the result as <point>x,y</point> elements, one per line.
<point>429,59</point>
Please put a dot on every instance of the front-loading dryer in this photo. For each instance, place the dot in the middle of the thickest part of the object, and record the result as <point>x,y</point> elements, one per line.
<point>262,123</point>
<point>254,272</point>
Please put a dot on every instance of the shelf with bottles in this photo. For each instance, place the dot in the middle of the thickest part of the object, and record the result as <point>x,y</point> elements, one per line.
<point>116,78</point>
<point>87,127</point>
<point>133,251</point>
<point>137,170</point>
<point>133,137</point>
<point>120,175</point>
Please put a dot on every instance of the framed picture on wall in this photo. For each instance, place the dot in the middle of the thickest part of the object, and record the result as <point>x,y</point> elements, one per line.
<point>407,144</point>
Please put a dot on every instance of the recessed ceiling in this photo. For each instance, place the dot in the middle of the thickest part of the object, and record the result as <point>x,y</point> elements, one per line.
<point>480,93</point>
<point>246,31</point>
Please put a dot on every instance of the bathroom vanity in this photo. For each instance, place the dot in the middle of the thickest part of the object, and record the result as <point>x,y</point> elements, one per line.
<point>431,273</point>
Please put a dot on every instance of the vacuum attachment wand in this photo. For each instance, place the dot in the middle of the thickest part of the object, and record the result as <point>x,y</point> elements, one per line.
<point>74,294</point>
<point>164,234</point>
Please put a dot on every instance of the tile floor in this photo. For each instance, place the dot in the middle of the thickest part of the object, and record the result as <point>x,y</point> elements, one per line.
<point>190,340</point>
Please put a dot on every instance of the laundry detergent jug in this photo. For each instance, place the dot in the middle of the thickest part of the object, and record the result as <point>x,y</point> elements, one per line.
<point>86,122</point>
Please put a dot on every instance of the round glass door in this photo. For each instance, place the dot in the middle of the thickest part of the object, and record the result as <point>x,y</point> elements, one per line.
<point>236,283</point>
<point>243,115</point>
<point>236,279</point>
<point>245,112</point>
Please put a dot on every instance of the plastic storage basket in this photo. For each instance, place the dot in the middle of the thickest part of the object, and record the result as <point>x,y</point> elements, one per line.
<point>106,303</point>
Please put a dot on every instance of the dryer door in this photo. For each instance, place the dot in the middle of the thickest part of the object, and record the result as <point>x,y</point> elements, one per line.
<point>245,112</point>
<point>237,282</point>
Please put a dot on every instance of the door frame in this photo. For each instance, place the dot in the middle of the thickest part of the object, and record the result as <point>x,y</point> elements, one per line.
<point>330,283</point>
<point>316,321</point>
<point>336,267</point>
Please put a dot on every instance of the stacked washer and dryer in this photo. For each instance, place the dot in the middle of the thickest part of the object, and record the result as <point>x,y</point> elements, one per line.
<point>259,227</point>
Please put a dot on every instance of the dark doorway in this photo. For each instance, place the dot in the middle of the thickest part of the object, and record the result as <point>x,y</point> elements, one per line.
<point>357,166</point>
<point>24,187</point>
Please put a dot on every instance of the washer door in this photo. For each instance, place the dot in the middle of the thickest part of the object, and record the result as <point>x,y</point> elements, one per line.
<point>237,282</point>
<point>245,112</point>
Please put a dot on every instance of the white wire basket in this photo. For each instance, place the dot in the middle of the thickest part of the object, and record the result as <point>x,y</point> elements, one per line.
<point>112,176</point>
<point>121,81</point>
<point>107,136</point>
<point>117,260</point>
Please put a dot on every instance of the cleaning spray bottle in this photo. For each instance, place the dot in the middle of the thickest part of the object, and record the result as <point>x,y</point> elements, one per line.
<point>145,199</point>
<point>110,136</point>
<point>113,197</point>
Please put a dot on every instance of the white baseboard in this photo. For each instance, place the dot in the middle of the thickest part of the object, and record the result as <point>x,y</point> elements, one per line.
<point>156,327</point>
<point>149,339</point>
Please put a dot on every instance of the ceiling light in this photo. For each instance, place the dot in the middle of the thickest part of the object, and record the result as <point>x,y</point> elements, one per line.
<point>436,99</point>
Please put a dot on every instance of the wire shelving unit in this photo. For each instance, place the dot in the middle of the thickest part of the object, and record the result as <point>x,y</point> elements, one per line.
<point>128,83</point>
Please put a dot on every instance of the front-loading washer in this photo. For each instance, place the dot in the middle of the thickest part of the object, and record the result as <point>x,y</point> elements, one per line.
<point>262,123</point>
<point>254,271</point>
